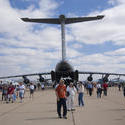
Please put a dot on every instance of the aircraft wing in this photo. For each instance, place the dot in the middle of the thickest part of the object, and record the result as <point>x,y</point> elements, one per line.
<point>58,20</point>
<point>35,74</point>
<point>102,73</point>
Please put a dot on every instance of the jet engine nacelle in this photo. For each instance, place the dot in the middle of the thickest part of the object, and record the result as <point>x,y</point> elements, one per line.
<point>26,80</point>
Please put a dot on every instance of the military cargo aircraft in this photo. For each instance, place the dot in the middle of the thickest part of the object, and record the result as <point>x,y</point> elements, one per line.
<point>63,68</point>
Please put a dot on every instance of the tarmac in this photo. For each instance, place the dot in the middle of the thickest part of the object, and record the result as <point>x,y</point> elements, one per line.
<point>41,110</point>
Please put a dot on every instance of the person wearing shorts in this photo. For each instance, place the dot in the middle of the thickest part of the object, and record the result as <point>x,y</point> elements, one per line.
<point>31,90</point>
<point>21,91</point>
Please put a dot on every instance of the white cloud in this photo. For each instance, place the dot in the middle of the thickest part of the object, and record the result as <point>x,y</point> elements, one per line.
<point>25,50</point>
<point>108,62</point>
<point>113,2</point>
<point>20,35</point>
<point>111,28</point>
<point>76,46</point>
<point>47,5</point>
<point>118,52</point>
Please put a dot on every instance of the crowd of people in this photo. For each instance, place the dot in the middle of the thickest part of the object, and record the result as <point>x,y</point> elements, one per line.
<point>65,94</point>
<point>10,92</point>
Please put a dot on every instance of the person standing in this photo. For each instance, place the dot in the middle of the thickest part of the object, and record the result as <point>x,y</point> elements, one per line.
<point>4,93</point>
<point>21,91</point>
<point>31,90</point>
<point>42,86</point>
<point>105,87</point>
<point>90,88</point>
<point>10,93</point>
<point>61,98</point>
<point>119,86</point>
<point>123,87</point>
<point>80,89</point>
<point>124,91</point>
<point>99,90</point>
<point>70,99</point>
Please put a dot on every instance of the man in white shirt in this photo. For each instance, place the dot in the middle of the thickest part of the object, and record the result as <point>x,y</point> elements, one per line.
<point>21,91</point>
<point>31,90</point>
<point>71,90</point>
<point>99,90</point>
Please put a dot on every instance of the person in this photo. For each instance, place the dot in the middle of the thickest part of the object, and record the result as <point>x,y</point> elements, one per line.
<point>56,85</point>
<point>123,87</point>
<point>61,98</point>
<point>17,91</point>
<point>99,90</point>
<point>90,88</point>
<point>4,93</point>
<point>10,93</point>
<point>21,91</point>
<point>14,94</point>
<point>70,99</point>
<point>80,89</point>
<point>105,87</point>
<point>119,86</point>
<point>38,86</point>
<point>42,86</point>
<point>31,87</point>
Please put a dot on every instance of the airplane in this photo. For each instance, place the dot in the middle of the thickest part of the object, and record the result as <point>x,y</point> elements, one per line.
<point>63,68</point>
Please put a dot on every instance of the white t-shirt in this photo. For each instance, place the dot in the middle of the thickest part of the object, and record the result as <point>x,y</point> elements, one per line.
<point>98,86</point>
<point>21,88</point>
<point>80,88</point>
<point>42,86</point>
<point>71,90</point>
<point>32,87</point>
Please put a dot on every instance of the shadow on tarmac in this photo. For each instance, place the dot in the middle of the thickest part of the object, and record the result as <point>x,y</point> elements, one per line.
<point>42,118</point>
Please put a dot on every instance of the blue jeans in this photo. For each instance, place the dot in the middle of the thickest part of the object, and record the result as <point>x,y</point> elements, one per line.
<point>80,99</point>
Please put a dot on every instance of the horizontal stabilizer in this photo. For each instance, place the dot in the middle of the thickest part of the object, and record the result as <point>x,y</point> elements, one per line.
<point>82,19</point>
<point>40,20</point>
<point>60,19</point>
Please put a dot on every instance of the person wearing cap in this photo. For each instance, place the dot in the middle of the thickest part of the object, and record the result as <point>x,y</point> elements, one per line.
<point>80,89</point>
<point>61,98</point>
<point>70,99</point>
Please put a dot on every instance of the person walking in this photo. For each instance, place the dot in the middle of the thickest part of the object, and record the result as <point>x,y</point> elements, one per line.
<point>21,91</point>
<point>80,89</point>
<point>119,86</point>
<point>31,90</point>
<point>99,90</point>
<point>70,99</point>
<point>4,93</point>
<point>61,98</point>
<point>90,88</point>
<point>105,87</point>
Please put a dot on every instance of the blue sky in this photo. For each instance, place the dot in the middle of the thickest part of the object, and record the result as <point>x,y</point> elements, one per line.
<point>91,46</point>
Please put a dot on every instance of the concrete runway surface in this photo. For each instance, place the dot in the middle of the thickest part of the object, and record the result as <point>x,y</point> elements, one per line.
<point>41,110</point>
